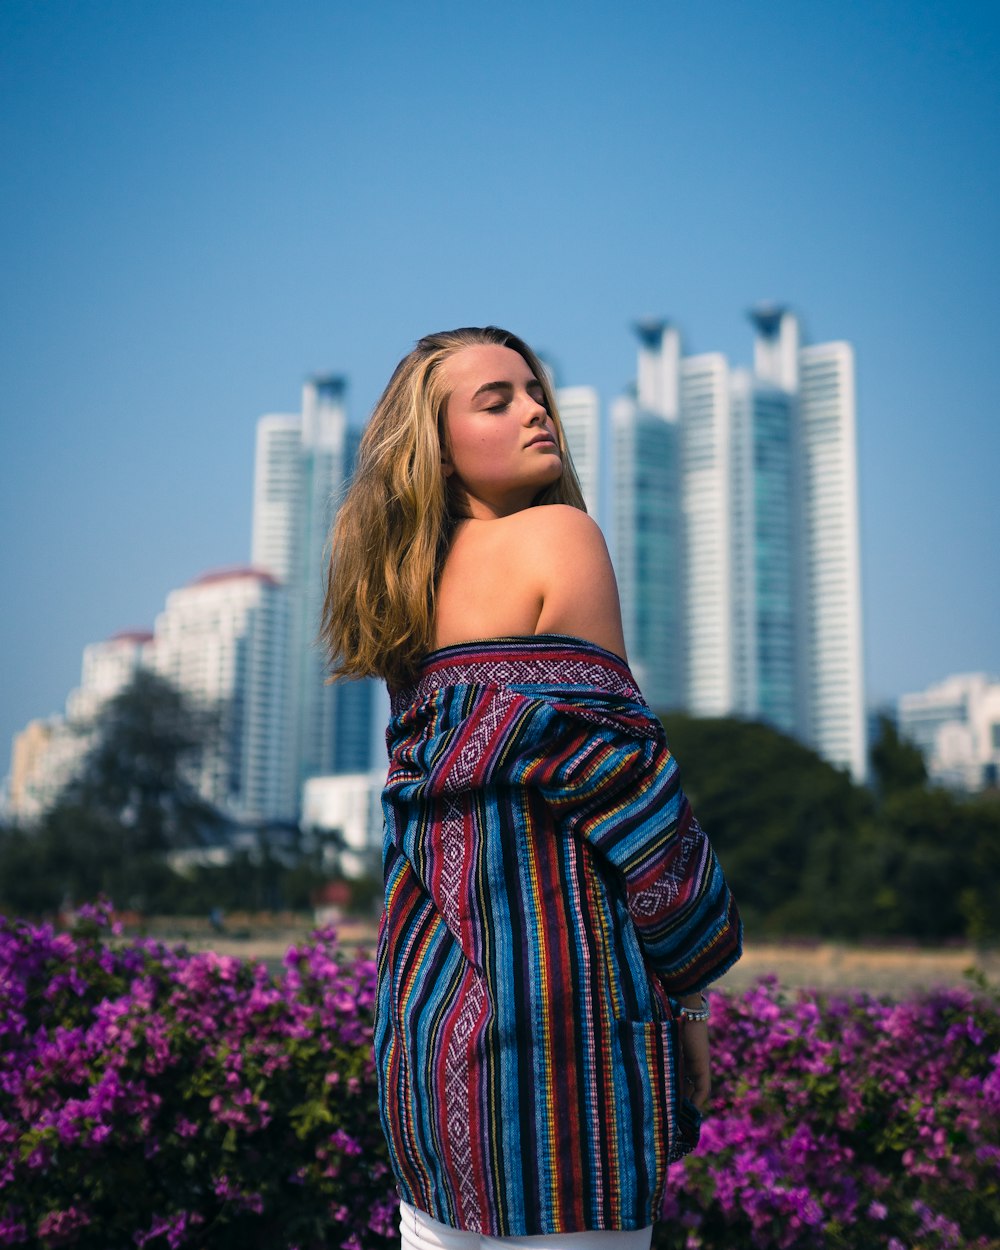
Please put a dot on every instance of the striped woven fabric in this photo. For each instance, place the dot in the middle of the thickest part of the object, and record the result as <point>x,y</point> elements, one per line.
<point>548,892</point>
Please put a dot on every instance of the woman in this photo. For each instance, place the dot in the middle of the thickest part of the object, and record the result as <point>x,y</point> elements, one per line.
<point>552,909</point>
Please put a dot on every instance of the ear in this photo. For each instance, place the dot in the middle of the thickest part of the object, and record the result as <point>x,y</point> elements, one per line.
<point>447,468</point>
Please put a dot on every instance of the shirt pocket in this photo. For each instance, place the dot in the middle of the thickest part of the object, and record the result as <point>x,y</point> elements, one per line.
<point>667,1124</point>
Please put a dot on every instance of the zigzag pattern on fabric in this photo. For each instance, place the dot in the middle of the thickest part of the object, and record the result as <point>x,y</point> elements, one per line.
<point>549,893</point>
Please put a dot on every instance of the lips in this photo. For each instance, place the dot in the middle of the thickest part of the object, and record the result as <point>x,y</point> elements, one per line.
<point>542,438</point>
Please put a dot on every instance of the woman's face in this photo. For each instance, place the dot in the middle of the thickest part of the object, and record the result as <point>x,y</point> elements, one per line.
<point>500,442</point>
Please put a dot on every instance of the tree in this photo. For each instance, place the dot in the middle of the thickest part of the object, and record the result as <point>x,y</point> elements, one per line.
<point>774,811</point>
<point>133,800</point>
<point>786,824</point>
<point>897,764</point>
<point>138,776</point>
<point>807,851</point>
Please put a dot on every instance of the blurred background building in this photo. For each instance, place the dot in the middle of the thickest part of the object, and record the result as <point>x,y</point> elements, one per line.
<point>645,519</point>
<point>956,725</point>
<point>343,813</point>
<point>223,640</point>
<point>47,753</point>
<point>580,412</point>
<point>303,464</point>
<point>733,526</point>
<point>735,533</point>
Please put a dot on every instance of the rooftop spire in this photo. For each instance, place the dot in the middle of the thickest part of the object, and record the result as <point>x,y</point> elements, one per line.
<point>649,330</point>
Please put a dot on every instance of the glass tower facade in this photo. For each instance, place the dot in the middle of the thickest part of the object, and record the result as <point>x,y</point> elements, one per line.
<point>736,533</point>
<point>646,548</point>
<point>763,546</point>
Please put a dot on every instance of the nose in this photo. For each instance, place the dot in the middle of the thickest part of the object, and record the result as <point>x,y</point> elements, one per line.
<point>537,413</point>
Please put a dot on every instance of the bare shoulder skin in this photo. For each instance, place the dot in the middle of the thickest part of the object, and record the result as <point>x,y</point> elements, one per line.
<point>539,570</point>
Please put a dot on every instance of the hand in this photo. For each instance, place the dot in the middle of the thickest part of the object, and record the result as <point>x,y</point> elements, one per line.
<point>697,1067</point>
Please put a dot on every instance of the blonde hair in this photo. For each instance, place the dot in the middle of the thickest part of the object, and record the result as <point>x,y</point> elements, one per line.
<point>393,529</point>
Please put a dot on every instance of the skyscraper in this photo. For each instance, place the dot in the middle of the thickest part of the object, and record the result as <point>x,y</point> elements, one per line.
<point>764,580</point>
<point>763,552</point>
<point>831,559</point>
<point>303,464</point>
<point>706,535</point>
<point>646,544</point>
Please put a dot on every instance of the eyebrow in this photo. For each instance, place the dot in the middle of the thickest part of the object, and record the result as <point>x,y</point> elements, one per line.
<point>504,386</point>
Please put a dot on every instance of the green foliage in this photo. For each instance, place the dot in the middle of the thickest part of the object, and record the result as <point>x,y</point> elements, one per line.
<point>897,765</point>
<point>779,817</point>
<point>132,803</point>
<point>75,855</point>
<point>808,852</point>
<point>137,776</point>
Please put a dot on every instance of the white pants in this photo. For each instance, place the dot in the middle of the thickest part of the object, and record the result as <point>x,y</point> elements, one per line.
<point>421,1232</point>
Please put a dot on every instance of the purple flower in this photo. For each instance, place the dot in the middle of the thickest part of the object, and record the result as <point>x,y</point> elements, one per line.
<point>58,1227</point>
<point>829,1112</point>
<point>12,1232</point>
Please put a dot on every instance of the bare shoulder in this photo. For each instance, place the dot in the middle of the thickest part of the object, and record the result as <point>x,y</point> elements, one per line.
<point>564,517</point>
<point>559,528</point>
<point>555,542</point>
<point>570,560</point>
<point>541,570</point>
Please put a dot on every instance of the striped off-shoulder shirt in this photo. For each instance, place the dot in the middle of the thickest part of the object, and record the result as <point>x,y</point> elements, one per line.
<point>548,892</point>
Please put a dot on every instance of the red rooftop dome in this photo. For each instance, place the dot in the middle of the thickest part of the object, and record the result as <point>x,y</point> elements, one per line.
<point>236,572</point>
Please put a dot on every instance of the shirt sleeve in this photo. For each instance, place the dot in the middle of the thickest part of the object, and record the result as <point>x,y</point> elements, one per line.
<point>611,779</point>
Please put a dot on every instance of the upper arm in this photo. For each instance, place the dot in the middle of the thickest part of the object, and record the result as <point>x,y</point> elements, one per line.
<point>576,582</point>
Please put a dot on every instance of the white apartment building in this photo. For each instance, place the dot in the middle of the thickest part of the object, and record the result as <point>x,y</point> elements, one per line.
<point>580,412</point>
<point>956,725</point>
<point>48,753</point>
<point>108,667</point>
<point>45,757</point>
<point>303,464</point>
<point>223,640</point>
<point>350,806</point>
<point>706,505</point>
<point>831,556</point>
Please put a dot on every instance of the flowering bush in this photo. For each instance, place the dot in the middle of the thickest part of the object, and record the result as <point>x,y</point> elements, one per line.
<point>152,1097</point>
<point>845,1122</point>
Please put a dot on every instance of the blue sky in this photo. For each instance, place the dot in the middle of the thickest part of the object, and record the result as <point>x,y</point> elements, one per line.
<point>205,202</point>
